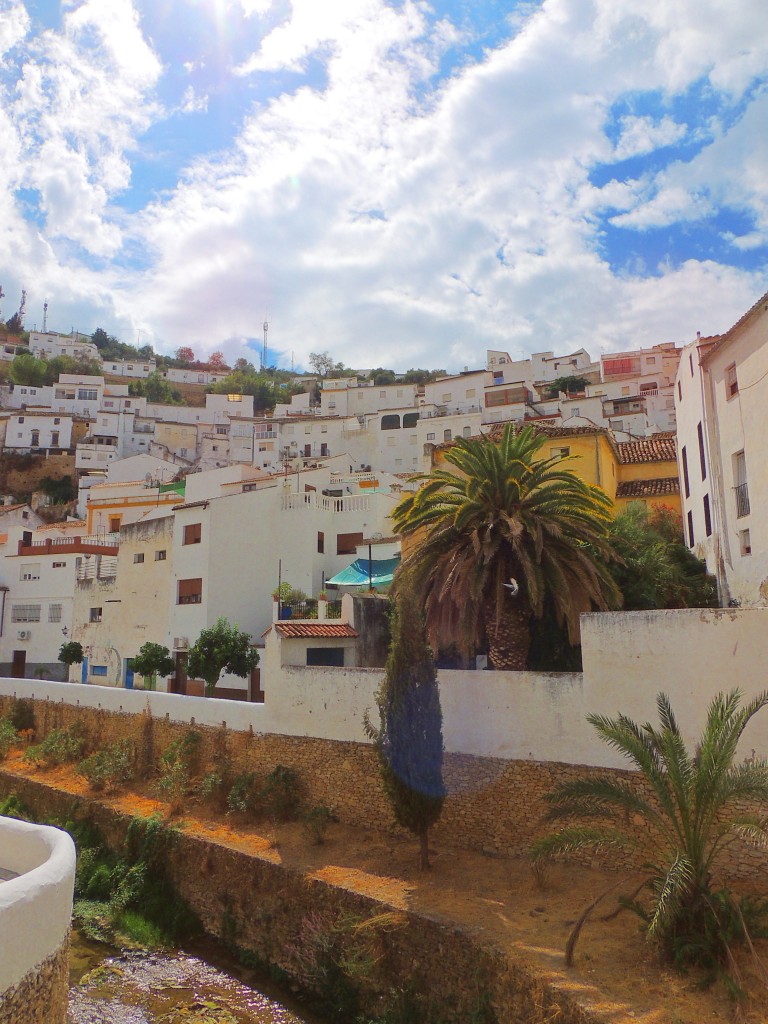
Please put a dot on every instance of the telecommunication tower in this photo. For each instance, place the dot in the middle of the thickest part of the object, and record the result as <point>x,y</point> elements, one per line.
<point>264,352</point>
<point>23,306</point>
<point>45,317</point>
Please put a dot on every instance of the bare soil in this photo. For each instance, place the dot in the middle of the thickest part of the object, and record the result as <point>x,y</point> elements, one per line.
<point>616,973</point>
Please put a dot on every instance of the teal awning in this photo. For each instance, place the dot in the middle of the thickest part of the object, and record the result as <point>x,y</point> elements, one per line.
<point>361,573</point>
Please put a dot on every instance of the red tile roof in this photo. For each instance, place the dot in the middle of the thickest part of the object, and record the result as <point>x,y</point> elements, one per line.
<point>648,488</point>
<point>656,448</point>
<point>315,630</point>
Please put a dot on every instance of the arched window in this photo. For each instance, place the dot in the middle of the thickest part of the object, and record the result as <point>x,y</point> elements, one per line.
<point>467,431</point>
<point>410,419</point>
<point>391,422</point>
<point>447,435</point>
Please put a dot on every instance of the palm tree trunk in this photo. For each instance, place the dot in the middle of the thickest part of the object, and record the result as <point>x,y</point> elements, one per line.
<point>509,638</point>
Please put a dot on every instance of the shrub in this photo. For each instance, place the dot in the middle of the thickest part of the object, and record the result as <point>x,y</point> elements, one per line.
<point>8,737</point>
<point>316,821</point>
<point>213,790</point>
<point>59,747</point>
<point>185,749</point>
<point>109,768</point>
<point>281,793</point>
<point>23,715</point>
<point>243,796</point>
<point>174,785</point>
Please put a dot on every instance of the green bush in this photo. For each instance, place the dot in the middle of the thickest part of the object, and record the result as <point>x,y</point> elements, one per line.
<point>281,793</point>
<point>23,715</point>
<point>185,749</point>
<point>243,796</point>
<point>315,822</point>
<point>174,785</point>
<point>8,737</point>
<point>213,790</point>
<point>109,768</point>
<point>59,747</point>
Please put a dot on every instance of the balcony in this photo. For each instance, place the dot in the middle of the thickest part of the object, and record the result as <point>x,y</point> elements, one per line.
<point>742,500</point>
<point>106,544</point>
<point>351,503</point>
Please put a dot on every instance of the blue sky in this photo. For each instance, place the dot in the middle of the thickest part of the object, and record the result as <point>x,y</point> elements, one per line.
<point>398,183</point>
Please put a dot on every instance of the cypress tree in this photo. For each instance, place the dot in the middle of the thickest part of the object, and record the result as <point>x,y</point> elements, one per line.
<point>409,740</point>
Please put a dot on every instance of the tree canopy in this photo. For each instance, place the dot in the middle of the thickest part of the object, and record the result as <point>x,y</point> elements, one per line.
<point>153,660</point>
<point>222,648</point>
<point>497,533</point>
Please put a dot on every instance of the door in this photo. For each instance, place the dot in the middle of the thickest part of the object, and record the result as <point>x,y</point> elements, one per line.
<point>84,670</point>
<point>128,673</point>
<point>19,664</point>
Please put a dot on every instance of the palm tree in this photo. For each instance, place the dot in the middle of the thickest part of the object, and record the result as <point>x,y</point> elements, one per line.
<point>496,534</point>
<point>692,808</point>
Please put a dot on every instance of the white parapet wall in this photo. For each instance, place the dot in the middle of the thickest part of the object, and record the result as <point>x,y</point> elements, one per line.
<point>629,657</point>
<point>35,907</point>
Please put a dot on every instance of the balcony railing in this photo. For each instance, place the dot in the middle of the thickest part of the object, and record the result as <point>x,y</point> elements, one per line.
<point>742,500</point>
<point>103,544</point>
<point>310,499</point>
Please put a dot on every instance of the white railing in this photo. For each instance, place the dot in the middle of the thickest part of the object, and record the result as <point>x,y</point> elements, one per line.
<point>350,503</point>
<point>352,478</point>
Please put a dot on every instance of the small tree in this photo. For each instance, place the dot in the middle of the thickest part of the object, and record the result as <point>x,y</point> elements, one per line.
<point>153,660</point>
<point>71,653</point>
<point>409,740</point>
<point>185,354</point>
<point>222,648</point>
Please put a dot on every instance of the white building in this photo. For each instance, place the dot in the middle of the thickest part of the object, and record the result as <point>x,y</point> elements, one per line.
<point>722,414</point>
<point>51,344</point>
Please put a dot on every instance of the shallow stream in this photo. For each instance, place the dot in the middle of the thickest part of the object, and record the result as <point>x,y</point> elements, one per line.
<point>109,987</point>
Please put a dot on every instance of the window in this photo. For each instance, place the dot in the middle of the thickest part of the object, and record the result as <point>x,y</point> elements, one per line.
<point>59,565</point>
<point>346,543</point>
<point>160,555</point>
<point>190,591</point>
<point>54,612</point>
<point>193,533</point>
<point>30,571</point>
<point>21,419</point>
<point>740,487</point>
<point>391,422</point>
<point>702,460</point>
<point>731,381</point>
<point>707,517</point>
<point>98,670</point>
<point>467,432</point>
<point>56,421</point>
<point>684,459</point>
<point>447,396</point>
<point>87,394</point>
<point>95,615</point>
<point>690,529</point>
<point>324,428</point>
<point>410,419</point>
<point>690,363</point>
<point>25,613</point>
<point>651,360</point>
<point>307,430</point>
<point>221,430</point>
<point>559,453</point>
<point>35,438</point>
<point>745,544</point>
<point>329,656</point>
<point>55,438</point>
<point>431,437</point>
<point>447,435</point>
<point>114,524</point>
<point>138,558</point>
<point>320,542</point>
<point>470,393</point>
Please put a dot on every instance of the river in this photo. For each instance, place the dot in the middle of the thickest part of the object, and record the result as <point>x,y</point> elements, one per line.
<point>110,987</point>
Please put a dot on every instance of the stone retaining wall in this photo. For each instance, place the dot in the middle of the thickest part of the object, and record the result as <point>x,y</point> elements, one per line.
<point>271,910</point>
<point>41,995</point>
<point>492,805</point>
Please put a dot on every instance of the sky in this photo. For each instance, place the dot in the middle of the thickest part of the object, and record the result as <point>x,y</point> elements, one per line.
<point>397,183</point>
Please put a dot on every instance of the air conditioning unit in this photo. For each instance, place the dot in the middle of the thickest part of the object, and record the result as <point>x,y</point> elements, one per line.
<point>24,634</point>
<point>180,643</point>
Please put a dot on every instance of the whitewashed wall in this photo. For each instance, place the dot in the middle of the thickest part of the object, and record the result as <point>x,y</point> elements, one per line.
<point>628,658</point>
<point>36,907</point>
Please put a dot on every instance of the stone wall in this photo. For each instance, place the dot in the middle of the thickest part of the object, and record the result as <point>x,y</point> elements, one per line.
<point>41,995</point>
<point>492,805</point>
<point>271,910</point>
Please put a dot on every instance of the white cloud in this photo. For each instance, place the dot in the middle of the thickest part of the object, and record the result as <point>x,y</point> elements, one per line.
<point>192,103</point>
<point>391,222</point>
<point>641,135</point>
<point>14,25</point>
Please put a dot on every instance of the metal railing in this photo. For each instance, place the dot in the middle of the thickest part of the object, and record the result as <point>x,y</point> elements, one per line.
<point>742,500</point>
<point>333,610</point>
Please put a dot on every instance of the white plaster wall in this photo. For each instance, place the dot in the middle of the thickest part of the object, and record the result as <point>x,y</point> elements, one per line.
<point>36,907</point>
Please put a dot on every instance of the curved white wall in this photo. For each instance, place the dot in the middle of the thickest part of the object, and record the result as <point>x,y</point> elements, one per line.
<point>36,907</point>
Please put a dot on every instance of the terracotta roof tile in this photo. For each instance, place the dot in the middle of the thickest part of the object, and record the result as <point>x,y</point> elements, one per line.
<point>315,629</point>
<point>656,448</point>
<point>648,488</point>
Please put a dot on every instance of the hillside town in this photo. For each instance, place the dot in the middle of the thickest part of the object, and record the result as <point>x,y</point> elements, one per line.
<point>185,513</point>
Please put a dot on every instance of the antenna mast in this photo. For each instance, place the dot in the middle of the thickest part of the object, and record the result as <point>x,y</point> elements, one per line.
<point>2,294</point>
<point>264,353</point>
<point>45,317</point>
<point>23,306</point>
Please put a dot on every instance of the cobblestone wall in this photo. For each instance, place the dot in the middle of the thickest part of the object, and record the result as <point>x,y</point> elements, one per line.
<point>493,805</point>
<point>41,996</point>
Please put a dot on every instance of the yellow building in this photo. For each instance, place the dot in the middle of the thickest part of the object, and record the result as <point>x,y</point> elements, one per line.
<point>643,470</point>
